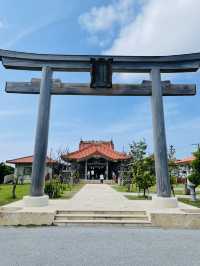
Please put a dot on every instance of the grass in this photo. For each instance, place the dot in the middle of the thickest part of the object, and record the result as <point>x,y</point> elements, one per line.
<point>179,189</point>
<point>6,193</point>
<point>71,191</point>
<point>133,188</point>
<point>134,197</point>
<point>190,202</point>
<point>23,190</point>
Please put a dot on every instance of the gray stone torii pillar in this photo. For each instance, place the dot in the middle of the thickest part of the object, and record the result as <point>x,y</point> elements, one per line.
<point>41,139</point>
<point>159,139</point>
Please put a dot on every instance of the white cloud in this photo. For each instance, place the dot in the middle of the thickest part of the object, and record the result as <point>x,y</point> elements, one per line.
<point>162,27</point>
<point>104,17</point>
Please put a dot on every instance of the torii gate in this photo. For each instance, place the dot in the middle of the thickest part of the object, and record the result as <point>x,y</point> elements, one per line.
<point>101,69</point>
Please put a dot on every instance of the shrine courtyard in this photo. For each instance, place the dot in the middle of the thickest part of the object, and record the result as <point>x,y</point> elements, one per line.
<point>100,204</point>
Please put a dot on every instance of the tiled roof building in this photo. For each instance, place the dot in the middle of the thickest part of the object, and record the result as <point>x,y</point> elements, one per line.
<point>94,158</point>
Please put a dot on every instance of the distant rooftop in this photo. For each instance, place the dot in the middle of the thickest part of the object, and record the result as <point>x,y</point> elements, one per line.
<point>186,160</point>
<point>28,160</point>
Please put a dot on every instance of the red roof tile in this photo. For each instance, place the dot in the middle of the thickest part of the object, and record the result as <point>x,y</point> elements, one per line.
<point>28,160</point>
<point>96,149</point>
<point>187,160</point>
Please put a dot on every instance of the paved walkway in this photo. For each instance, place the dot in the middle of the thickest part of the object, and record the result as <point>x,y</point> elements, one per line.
<point>100,197</point>
<point>97,197</point>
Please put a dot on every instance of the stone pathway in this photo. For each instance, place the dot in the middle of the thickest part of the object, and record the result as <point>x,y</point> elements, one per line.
<point>96,197</point>
<point>101,197</point>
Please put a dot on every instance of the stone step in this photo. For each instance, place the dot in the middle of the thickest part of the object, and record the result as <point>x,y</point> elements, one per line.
<point>90,212</point>
<point>100,216</point>
<point>104,222</point>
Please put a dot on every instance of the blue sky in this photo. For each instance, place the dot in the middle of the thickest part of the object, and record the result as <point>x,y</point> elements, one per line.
<point>129,27</point>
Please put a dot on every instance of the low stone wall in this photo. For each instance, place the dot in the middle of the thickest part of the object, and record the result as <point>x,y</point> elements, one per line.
<point>175,220</point>
<point>26,218</point>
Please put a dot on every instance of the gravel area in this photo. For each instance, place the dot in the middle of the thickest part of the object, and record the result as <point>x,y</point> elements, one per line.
<point>75,245</point>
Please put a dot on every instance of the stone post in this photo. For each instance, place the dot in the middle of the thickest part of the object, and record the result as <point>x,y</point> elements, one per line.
<point>159,140</point>
<point>41,140</point>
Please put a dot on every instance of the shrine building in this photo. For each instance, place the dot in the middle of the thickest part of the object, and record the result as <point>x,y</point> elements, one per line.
<point>94,158</point>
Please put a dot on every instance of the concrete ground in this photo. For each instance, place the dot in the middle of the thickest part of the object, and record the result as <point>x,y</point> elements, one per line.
<point>96,197</point>
<point>85,246</point>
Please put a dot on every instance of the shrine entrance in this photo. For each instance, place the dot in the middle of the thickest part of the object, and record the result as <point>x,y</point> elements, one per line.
<point>101,69</point>
<point>95,168</point>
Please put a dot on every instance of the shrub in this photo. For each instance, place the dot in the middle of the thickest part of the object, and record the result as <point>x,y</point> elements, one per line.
<point>194,177</point>
<point>54,189</point>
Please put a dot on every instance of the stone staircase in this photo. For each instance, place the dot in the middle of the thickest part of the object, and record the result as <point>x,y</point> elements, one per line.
<point>132,218</point>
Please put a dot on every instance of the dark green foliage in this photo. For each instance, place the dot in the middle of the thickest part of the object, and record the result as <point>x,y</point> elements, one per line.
<point>138,150</point>
<point>142,169</point>
<point>54,188</point>
<point>195,175</point>
<point>5,170</point>
<point>194,178</point>
<point>76,177</point>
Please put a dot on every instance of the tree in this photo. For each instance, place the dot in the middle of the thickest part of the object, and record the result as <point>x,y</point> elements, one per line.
<point>172,167</point>
<point>141,167</point>
<point>5,170</point>
<point>57,156</point>
<point>146,177</point>
<point>137,153</point>
<point>194,177</point>
<point>15,183</point>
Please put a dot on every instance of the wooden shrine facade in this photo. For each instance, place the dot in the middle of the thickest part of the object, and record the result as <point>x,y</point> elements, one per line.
<point>94,158</point>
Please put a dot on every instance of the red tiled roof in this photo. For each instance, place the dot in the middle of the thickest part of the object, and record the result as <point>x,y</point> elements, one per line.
<point>28,160</point>
<point>187,160</point>
<point>84,144</point>
<point>96,149</point>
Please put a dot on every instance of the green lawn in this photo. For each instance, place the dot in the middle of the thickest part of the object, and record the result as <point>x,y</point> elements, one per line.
<point>23,190</point>
<point>133,188</point>
<point>188,201</point>
<point>6,193</point>
<point>71,191</point>
<point>179,189</point>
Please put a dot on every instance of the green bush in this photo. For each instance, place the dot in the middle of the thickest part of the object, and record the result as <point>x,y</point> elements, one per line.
<point>54,189</point>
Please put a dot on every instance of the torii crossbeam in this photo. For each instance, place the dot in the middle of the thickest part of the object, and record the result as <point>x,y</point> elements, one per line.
<point>143,89</point>
<point>101,69</point>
